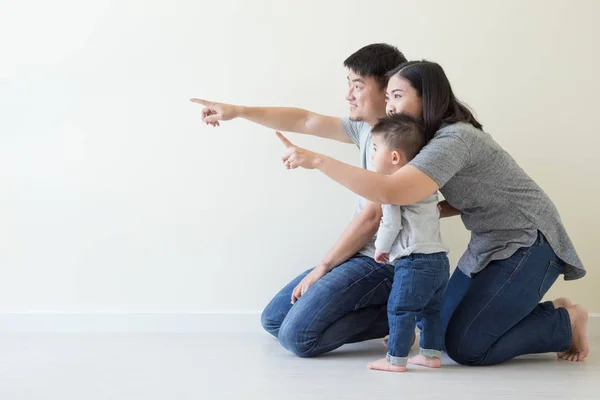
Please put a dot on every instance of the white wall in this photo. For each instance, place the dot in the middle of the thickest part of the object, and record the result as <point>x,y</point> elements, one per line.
<point>114,196</point>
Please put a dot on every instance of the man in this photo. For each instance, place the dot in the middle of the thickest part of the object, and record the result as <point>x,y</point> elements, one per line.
<point>343,299</point>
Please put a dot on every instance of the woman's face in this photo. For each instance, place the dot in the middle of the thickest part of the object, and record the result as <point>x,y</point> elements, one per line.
<point>401,97</point>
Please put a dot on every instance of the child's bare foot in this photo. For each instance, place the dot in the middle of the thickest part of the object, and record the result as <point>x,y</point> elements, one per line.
<point>579,344</point>
<point>383,365</point>
<point>430,362</point>
<point>385,340</point>
<point>562,302</point>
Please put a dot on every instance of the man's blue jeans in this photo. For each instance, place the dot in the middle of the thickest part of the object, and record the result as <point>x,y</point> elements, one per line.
<point>347,305</point>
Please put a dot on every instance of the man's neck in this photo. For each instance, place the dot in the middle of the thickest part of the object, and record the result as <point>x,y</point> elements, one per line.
<point>373,121</point>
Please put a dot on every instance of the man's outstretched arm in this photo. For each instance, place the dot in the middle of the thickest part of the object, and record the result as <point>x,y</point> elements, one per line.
<point>279,118</point>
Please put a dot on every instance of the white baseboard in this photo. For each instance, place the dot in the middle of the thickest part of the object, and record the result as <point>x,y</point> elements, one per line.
<point>594,325</point>
<point>243,322</point>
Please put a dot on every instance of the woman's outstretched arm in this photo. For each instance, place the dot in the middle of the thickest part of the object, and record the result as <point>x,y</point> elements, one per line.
<point>407,186</point>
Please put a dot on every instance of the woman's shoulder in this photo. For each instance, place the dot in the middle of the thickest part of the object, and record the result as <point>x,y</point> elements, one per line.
<point>460,129</point>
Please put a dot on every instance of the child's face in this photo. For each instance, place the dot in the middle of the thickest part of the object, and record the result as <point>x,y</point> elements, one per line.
<point>385,160</point>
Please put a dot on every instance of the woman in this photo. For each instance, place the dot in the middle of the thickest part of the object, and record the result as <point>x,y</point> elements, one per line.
<point>518,246</point>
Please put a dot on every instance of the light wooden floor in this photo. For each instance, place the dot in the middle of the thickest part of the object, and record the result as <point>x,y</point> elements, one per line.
<point>254,366</point>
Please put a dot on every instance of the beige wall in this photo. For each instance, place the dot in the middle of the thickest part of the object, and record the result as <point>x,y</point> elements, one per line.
<point>115,197</point>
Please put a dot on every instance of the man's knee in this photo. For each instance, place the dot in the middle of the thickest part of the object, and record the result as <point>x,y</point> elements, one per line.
<point>270,321</point>
<point>293,337</point>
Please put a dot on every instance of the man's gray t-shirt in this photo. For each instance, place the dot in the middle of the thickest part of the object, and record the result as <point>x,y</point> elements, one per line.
<point>420,222</point>
<point>500,204</point>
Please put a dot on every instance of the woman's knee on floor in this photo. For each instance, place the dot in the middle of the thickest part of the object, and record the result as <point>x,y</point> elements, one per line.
<point>465,349</point>
<point>464,356</point>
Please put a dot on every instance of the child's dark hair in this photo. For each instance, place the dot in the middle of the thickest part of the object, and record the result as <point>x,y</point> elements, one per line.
<point>401,132</point>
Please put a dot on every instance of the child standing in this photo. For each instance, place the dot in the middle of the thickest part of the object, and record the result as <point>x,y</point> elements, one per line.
<point>421,263</point>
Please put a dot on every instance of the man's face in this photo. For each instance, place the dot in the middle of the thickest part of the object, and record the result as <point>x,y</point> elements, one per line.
<point>366,98</point>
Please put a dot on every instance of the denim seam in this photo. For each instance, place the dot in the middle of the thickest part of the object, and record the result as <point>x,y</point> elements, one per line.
<point>360,260</point>
<point>370,272</point>
<point>551,264</point>
<point>526,256</point>
<point>369,292</point>
<point>412,284</point>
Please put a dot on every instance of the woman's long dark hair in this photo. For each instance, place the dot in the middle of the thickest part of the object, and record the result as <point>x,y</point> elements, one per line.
<point>440,106</point>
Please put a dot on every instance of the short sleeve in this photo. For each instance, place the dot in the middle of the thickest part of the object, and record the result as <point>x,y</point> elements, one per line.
<point>443,157</point>
<point>353,129</point>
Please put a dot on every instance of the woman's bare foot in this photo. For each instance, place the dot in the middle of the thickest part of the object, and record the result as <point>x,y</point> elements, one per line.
<point>383,365</point>
<point>562,302</point>
<point>430,362</point>
<point>385,340</point>
<point>579,345</point>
